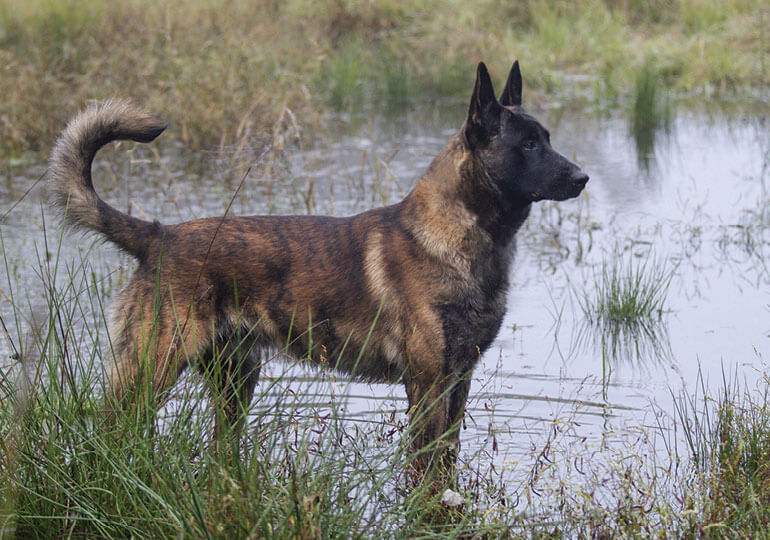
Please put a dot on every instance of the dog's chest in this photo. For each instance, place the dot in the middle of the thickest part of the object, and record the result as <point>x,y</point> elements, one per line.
<point>472,315</point>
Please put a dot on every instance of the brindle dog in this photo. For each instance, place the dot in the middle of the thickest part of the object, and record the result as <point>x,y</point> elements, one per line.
<point>414,292</point>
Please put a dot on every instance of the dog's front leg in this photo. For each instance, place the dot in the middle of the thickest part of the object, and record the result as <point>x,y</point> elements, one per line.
<point>458,397</point>
<point>428,395</point>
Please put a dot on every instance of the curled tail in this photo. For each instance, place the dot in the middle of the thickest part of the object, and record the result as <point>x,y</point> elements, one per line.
<point>70,171</point>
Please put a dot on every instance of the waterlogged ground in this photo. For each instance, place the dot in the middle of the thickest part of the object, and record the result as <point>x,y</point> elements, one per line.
<point>689,201</point>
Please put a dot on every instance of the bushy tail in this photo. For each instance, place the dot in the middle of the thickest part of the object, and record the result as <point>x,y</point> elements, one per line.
<point>70,170</point>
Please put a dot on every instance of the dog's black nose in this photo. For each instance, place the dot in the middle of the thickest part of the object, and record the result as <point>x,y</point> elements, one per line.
<point>579,178</point>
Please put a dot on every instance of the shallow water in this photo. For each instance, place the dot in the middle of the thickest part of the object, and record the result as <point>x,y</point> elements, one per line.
<point>695,206</point>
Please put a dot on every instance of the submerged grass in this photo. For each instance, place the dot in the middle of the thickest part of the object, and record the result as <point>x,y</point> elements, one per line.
<point>226,71</point>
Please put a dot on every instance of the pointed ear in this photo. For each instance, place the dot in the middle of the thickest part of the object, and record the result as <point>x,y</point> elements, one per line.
<point>511,95</point>
<point>484,111</point>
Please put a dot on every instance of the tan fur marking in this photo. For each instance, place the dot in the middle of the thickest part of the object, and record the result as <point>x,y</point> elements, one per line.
<point>445,224</point>
<point>374,268</point>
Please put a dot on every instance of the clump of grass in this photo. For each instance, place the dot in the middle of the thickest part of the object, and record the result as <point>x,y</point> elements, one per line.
<point>625,312</point>
<point>345,77</point>
<point>397,85</point>
<point>640,488</point>
<point>728,442</point>
<point>630,292</point>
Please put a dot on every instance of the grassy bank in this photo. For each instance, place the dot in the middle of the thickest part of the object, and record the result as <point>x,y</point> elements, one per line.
<point>224,72</point>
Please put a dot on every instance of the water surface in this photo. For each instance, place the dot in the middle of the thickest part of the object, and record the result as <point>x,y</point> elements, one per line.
<point>695,204</point>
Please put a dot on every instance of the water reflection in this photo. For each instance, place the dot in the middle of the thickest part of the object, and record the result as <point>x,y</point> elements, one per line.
<point>651,115</point>
<point>644,343</point>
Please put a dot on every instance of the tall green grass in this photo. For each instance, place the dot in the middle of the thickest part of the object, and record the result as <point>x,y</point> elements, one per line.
<point>727,440</point>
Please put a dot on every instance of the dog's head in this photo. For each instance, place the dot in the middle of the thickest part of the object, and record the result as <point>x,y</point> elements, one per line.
<point>512,148</point>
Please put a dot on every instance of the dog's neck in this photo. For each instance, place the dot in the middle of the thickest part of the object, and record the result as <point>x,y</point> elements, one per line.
<point>449,218</point>
<point>456,194</point>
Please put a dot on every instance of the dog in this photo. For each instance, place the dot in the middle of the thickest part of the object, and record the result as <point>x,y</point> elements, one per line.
<point>414,292</point>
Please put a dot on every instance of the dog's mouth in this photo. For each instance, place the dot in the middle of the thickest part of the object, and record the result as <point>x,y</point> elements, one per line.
<point>575,185</point>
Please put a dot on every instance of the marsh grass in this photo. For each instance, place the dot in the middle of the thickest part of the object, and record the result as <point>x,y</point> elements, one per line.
<point>699,470</point>
<point>625,313</point>
<point>223,72</point>
<point>630,292</point>
<point>357,76</point>
<point>345,77</point>
<point>728,443</point>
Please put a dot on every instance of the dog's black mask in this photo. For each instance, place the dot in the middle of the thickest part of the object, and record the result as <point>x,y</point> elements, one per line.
<point>513,148</point>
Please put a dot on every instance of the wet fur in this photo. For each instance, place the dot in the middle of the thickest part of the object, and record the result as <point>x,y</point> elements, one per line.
<point>414,292</point>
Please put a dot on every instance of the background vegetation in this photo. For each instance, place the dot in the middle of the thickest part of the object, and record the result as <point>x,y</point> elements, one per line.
<point>222,70</point>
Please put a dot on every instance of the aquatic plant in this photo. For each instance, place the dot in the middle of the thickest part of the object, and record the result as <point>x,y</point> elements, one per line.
<point>630,292</point>
<point>624,314</point>
<point>727,440</point>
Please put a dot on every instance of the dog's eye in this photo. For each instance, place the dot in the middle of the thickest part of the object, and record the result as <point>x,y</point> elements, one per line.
<point>529,145</point>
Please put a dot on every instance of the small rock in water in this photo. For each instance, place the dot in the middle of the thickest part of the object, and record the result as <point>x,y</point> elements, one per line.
<point>452,499</point>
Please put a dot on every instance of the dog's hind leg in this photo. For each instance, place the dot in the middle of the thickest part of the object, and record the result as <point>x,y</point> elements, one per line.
<point>151,347</point>
<point>232,368</point>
